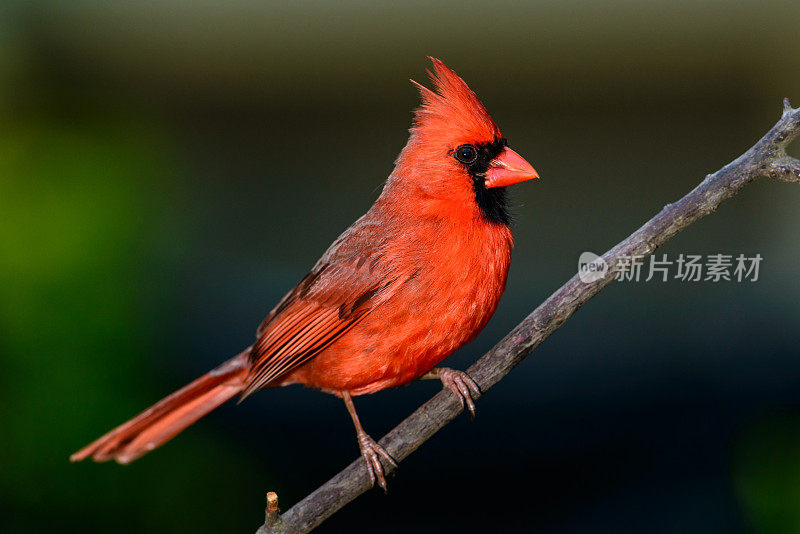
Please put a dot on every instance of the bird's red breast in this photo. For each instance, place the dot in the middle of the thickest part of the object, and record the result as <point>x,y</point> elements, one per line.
<point>416,277</point>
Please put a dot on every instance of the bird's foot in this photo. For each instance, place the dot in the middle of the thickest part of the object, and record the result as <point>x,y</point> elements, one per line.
<point>372,453</point>
<point>460,383</point>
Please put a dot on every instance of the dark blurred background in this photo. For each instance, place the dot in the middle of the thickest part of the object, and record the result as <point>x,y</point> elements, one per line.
<point>169,169</point>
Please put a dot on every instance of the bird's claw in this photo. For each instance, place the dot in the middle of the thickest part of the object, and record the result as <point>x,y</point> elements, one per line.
<point>372,453</point>
<point>462,386</point>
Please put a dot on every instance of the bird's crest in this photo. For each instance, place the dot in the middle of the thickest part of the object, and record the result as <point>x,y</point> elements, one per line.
<point>453,108</point>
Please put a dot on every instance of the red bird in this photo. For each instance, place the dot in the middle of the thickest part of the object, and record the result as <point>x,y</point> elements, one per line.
<point>406,285</point>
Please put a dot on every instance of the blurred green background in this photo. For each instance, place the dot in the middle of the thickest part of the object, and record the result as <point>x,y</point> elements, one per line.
<point>169,169</point>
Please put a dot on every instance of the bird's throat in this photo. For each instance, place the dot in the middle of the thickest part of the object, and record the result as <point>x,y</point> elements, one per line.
<point>492,203</point>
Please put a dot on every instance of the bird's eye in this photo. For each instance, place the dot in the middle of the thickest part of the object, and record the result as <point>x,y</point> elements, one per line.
<point>466,154</point>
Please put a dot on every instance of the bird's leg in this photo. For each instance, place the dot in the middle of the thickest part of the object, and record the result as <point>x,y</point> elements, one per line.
<point>460,383</point>
<point>371,452</point>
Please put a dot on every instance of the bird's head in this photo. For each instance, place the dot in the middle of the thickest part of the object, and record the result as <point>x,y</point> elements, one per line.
<point>456,150</point>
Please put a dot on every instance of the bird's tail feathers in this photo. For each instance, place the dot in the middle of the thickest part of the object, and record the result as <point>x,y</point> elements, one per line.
<point>171,415</point>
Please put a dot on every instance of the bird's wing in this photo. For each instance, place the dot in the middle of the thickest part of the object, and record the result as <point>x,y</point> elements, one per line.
<point>348,283</point>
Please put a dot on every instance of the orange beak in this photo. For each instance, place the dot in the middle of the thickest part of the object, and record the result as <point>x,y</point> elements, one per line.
<point>509,168</point>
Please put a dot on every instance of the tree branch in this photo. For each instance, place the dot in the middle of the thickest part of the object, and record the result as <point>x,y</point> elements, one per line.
<point>767,158</point>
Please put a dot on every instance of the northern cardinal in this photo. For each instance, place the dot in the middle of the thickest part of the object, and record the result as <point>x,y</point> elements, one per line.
<point>414,279</point>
